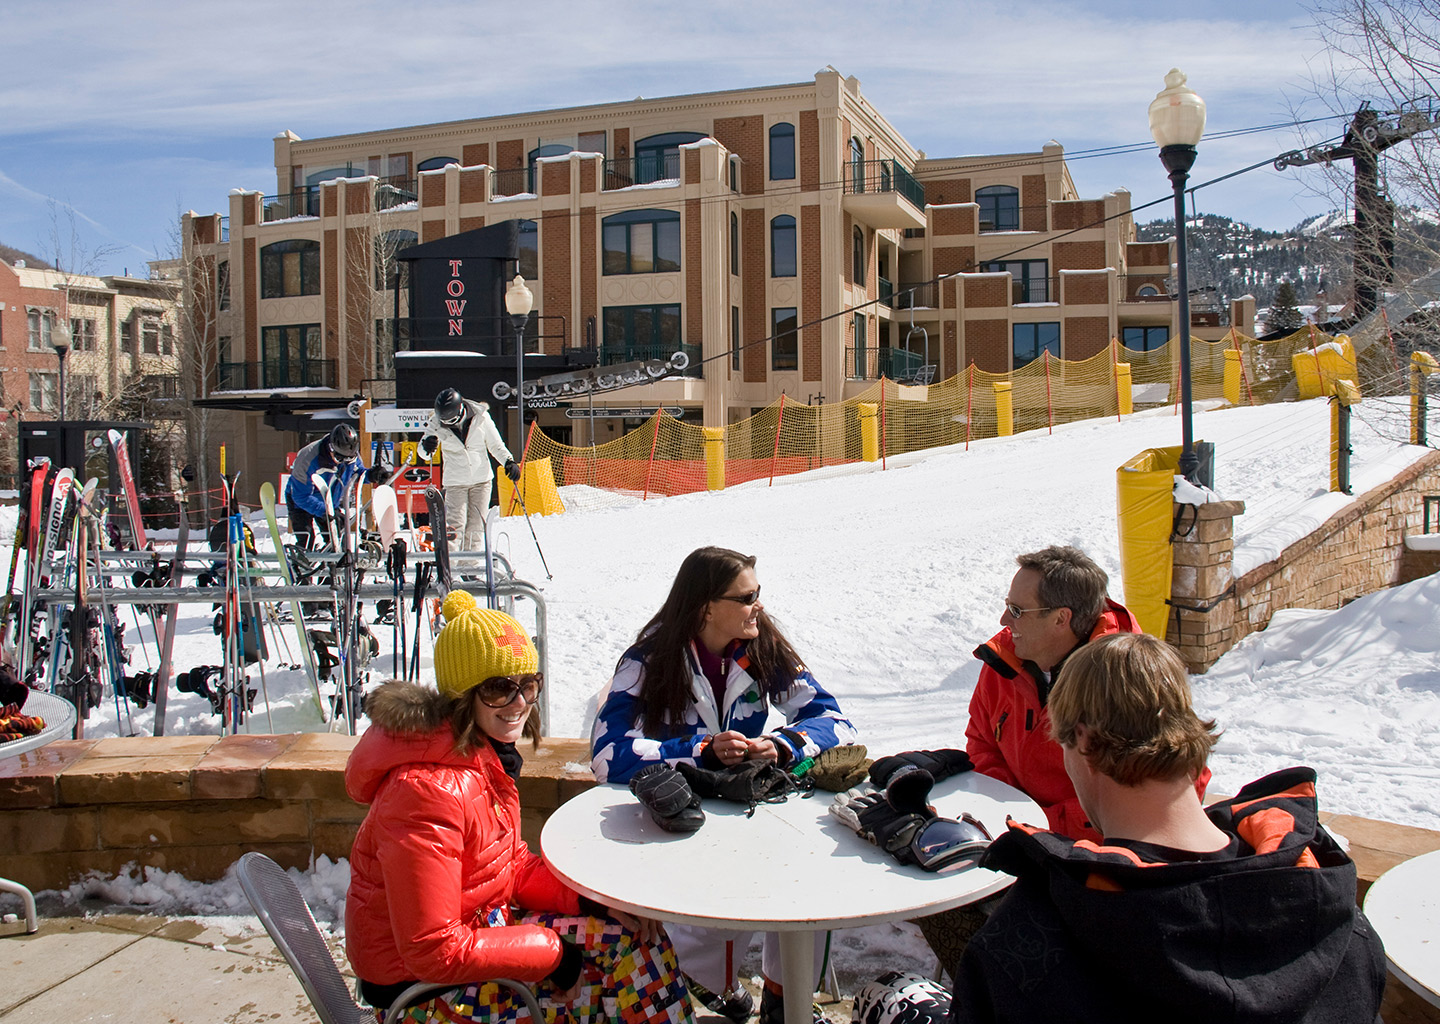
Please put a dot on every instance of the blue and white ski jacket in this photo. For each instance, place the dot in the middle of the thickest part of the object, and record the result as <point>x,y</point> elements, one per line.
<point>619,747</point>
<point>302,490</point>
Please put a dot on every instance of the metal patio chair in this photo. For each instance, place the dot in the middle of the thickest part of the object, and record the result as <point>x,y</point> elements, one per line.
<point>282,910</point>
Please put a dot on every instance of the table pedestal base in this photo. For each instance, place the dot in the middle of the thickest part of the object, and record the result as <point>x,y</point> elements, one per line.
<point>797,969</point>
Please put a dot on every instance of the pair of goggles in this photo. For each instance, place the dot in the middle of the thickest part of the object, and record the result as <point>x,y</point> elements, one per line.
<point>451,421</point>
<point>943,841</point>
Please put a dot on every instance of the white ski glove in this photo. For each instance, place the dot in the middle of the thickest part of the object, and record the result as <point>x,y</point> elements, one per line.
<point>840,806</point>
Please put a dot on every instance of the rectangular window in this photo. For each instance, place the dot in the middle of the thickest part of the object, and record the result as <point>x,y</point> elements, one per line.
<point>42,391</point>
<point>41,324</point>
<point>735,337</point>
<point>387,342</point>
<point>861,362</point>
<point>1030,340</point>
<point>784,338</point>
<point>167,340</point>
<point>127,336</point>
<point>82,334</point>
<point>642,242</point>
<point>222,283</point>
<point>150,337</point>
<point>639,332</point>
<point>1145,339</point>
<point>290,357</point>
<point>1032,281</point>
<point>81,389</point>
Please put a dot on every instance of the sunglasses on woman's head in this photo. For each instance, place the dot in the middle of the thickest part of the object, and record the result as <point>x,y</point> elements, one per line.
<point>499,691</point>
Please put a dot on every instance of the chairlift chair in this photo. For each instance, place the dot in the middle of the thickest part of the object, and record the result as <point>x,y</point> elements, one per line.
<point>281,909</point>
<point>921,376</point>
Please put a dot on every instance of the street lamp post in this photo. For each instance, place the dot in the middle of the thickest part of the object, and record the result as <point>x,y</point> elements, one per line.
<point>60,341</point>
<point>518,302</point>
<point>1177,121</point>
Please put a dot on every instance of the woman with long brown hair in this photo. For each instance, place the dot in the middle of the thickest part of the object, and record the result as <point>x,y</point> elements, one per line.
<point>697,687</point>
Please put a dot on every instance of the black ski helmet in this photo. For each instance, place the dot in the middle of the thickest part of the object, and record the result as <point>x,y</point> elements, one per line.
<point>344,442</point>
<point>449,406</point>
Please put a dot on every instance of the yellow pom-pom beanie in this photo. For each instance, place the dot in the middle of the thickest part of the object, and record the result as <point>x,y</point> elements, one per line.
<point>477,643</point>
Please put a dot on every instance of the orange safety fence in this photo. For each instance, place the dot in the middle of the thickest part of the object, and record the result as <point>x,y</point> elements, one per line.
<point>668,457</point>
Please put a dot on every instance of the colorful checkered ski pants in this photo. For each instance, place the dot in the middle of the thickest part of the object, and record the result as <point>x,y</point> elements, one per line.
<point>621,980</point>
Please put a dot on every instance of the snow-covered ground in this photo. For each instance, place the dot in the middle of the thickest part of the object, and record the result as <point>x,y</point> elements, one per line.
<point>886,581</point>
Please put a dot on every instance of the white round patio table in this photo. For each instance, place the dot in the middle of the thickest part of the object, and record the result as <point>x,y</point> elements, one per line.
<point>790,868</point>
<point>1403,906</point>
<point>59,715</point>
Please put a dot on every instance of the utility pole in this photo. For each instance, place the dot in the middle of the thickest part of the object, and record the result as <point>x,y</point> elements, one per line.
<point>1373,255</point>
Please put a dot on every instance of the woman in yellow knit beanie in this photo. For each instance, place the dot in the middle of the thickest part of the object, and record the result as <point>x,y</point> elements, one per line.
<point>443,887</point>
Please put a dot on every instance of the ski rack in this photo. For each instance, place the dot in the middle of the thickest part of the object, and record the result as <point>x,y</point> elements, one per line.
<point>508,588</point>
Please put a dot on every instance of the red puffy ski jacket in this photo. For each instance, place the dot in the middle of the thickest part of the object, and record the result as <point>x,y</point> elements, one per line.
<point>1008,736</point>
<point>439,861</point>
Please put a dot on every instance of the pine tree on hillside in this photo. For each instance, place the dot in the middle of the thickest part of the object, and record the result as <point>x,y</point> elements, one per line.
<point>1284,316</point>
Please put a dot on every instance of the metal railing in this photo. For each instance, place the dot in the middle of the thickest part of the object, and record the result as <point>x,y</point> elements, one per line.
<point>884,289</point>
<point>302,202</point>
<point>393,192</point>
<point>307,373</point>
<point>872,363</point>
<point>513,181</point>
<point>917,296</point>
<point>612,354</point>
<point>235,377</point>
<point>642,169</point>
<point>883,176</point>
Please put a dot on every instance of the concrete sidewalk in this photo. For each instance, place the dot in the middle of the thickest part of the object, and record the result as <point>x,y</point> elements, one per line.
<point>139,969</point>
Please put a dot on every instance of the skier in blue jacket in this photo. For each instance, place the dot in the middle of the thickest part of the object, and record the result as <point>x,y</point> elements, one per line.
<point>697,687</point>
<point>331,462</point>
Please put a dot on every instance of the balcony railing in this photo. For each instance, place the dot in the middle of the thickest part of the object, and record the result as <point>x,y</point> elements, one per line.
<point>883,176</point>
<point>917,296</point>
<point>894,363</point>
<point>393,192</point>
<point>308,373</point>
<point>612,354</point>
<point>235,377</point>
<point>642,169</point>
<point>303,202</point>
<point>884,290</point>
<point>513,181</point>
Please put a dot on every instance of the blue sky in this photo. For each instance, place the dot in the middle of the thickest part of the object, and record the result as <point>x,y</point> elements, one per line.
<point>127,112</point>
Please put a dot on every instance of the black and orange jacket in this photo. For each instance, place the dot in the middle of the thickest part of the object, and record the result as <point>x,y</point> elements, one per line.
<point>1114,932</point>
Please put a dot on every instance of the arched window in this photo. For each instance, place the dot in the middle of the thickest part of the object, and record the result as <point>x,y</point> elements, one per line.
<point>640,242</point>
<point>391,273</point>
<point>857,165</point>
<point>436,162</point>
<point>552,149</point>
<point>657,157</point>
<point>857,257</point>
<point>782,246</point>
<point>999,208</point>
<point>782,151</point>
<point>528,236</point>
<point>291,267</point>
<point>734,244</point>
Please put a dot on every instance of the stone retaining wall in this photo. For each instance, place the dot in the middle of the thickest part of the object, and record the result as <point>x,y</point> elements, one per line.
<point>194,804</point>
<point>1357,551</point>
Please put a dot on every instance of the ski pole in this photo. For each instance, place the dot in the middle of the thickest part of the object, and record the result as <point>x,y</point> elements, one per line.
<point>548,574</point>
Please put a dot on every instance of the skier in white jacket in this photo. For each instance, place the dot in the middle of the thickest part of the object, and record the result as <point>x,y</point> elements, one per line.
<point>467,438</point>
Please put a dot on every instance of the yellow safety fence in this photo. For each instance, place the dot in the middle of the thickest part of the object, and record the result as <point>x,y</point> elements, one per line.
<point>667,457</point>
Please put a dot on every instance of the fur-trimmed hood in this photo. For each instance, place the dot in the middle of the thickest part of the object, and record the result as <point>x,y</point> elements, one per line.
<point>409,727</point>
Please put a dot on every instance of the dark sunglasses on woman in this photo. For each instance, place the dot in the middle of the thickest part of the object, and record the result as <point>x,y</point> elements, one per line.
<point>499,691</point>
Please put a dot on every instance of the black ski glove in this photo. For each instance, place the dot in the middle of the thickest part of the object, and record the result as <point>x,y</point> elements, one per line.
<point>512,470</point>
<point>749,782</point>
<point>377,474</point>
<point>889,818</point>
<point>428,444</point>
<point>668,797</point>
<point>941,764</point>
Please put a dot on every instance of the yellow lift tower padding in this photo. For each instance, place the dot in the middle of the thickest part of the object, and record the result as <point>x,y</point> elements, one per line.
<point>537,491</point>
<point>1004,409</point>
<point>714,458</point>
<point>1317,370</point>
<point>1230,383</point>
<point>1124,389</point>
<point>869,431</point>
<point>1144,516</point>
